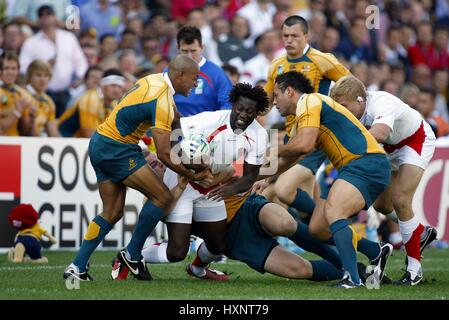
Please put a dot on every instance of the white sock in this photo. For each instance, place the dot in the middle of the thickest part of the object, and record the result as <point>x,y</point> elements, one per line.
<point>156,253</point>
<point>395,237</point>
<point>205,255</point>
<point>414,266</point>
<point>407,228</point>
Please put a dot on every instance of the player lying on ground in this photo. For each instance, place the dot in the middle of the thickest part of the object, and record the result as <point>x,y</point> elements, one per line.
<point>363,166</point>
<point>410,143</point>
<point>230,133</point>
<point>119,163</point>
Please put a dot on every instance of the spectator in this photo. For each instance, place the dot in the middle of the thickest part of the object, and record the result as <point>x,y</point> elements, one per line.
<point>14,100</point>
<point>232,73</point>
<point>259,14</point>
<point>151,51</point>
<point>197,18</point>
<point>353,47</point>
<point>212,90</point>
<point>390,86</point>
<point>426,106</point>
<point>240,30</point>
<point>42,114</point>
<point>88,37</point>
<point>92,79</point>
<point>83,118</point>
<point>256,68</point>
<point>441,45</point>
<point>440,83</point>
<point>12,37</point>
<point>329,40</point>
<point>410,95</point>
<point>360,71</point>
<point>422,76</point>
<point>108,45</point>
<point>127,61</point>
<point>317,25</point>
<point>394,51</point>
<point>101,15</point>
<point>26,11</point>
<point>422,52</point>
<point>91,54</point>
<point>61,49</point>
<point>129,40</point>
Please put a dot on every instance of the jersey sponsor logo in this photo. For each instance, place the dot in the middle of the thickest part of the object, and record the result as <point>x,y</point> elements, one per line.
<point>306,68</point>
<point>132,164</point>
<point>292,67</point>
<point>200,87</point>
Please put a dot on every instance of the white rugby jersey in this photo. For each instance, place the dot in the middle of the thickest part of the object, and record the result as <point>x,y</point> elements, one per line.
<point>383,107</point>
<point>227,146</point>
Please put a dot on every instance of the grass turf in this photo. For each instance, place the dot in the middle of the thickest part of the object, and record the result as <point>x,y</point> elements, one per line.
<point>28,281</point>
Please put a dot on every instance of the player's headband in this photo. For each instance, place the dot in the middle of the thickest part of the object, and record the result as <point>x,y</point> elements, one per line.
<point>113,79</point>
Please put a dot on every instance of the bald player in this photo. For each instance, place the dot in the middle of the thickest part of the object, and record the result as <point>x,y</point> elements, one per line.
<point>118,163</point>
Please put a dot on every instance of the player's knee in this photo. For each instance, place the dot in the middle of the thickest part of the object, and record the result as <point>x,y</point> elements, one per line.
<point>288,226</point>
<point>176,254</point>
<point>383,208</point>
<point>331,213</point>
<point>284,194</point>
<point>294,272</point>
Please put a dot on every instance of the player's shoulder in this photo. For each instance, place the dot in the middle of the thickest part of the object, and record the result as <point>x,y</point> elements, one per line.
<point>324,59</point>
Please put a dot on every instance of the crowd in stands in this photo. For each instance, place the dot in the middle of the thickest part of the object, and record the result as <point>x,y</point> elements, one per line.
<point>55,53</point>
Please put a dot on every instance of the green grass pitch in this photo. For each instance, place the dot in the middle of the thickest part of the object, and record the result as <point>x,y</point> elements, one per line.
<point>28,281</point>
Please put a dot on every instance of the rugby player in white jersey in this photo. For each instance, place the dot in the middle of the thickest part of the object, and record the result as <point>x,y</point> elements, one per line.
<point>410,143</point>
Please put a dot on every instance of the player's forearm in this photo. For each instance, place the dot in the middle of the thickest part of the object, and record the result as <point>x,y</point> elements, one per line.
<point>164,157</point>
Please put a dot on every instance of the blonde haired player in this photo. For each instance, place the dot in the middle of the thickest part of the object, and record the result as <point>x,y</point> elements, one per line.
<point>410,143</point>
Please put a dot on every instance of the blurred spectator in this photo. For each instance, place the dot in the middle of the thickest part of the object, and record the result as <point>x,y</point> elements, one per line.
<point>336,17</point>
<point>353,47</point>
<point>14,100</point>
<point>329,40</point>
<point>108,45</point>
<point>61,49</point>
<point>398,74</point>
<point>226,47</point>
<point>441,45</point>
<point>317,25</point>
<point>259,14</point>
<point>88,37</point>
<point>240,30</point>
<point>410,95</point>
<point>213,85</point>
<point>83,118</point>
<point>26,11</point>
<point>256,68</point>
<point>91,54</point>
<point>422,76</point>
<point>197,18</point>
<point>160,64</point>
<point>129,40</point>
<point>127,61</point>
<point>92,79</point>
<point>426,106</point>
<point>360,71</point>
<point>440,83</point>
<point>150,52</point>
<point>130,79</point>
<point>394,51</point>
<point>42,114</point>
<point>390,86</point>
<point>101,15</point>
<point>181,8</point>
<point>12,37</point>
<point>422,52</point>
<point>232,73</point>
<point>132,9</point>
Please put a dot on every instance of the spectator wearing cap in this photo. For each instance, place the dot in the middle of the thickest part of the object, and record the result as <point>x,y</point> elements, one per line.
<point>62,50</point>
<point>25,11</point>
<point>83,118</point>
<point>102,16</point>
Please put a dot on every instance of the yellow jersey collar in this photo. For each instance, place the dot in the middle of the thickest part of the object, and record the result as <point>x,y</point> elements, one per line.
<point>170,85</point>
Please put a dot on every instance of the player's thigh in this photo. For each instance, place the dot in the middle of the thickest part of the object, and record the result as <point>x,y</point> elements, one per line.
<point>147,182</point>
<point>407,181</point>
<point>294,178</point>
<point>384,202</point>
<point>276,221</point>
<point>318,226</point>
<point>113,196</point>
<point>344,201</point>
<point>286,264</point>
